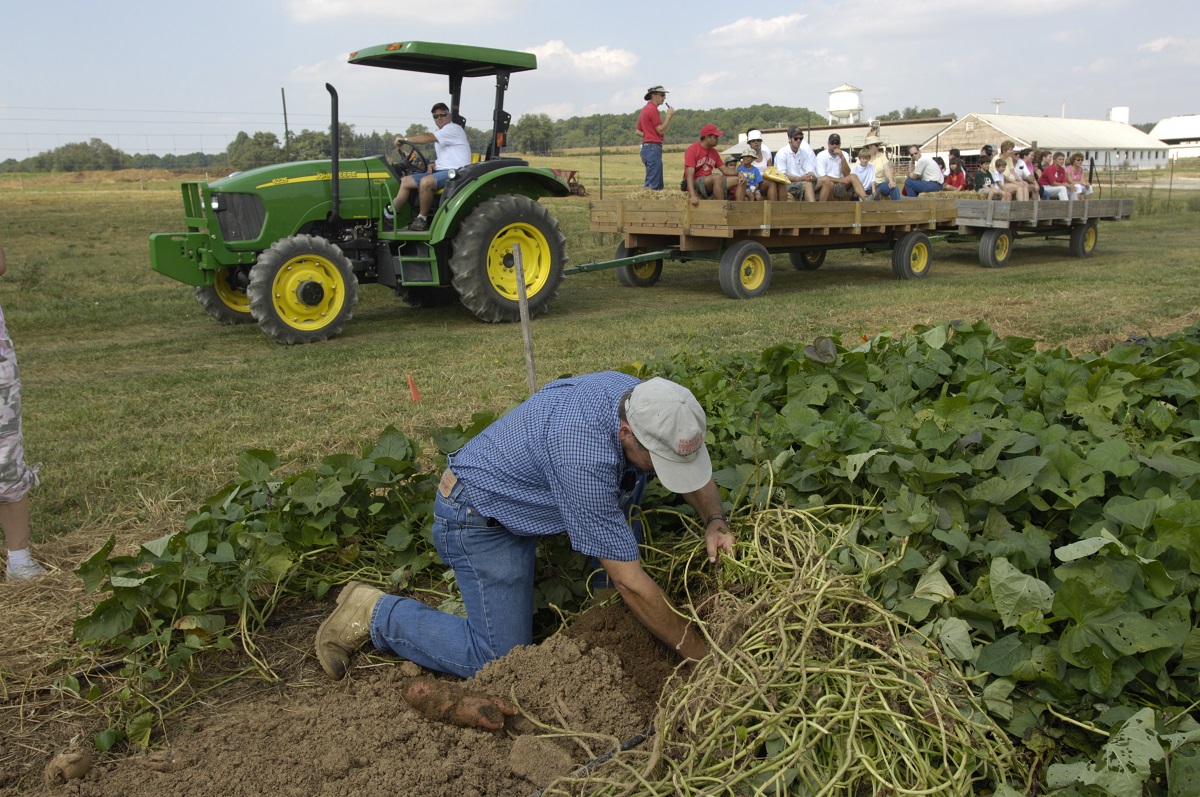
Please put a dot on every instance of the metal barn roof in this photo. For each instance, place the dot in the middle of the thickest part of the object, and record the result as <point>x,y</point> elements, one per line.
<point>1051,132</point>
<point>1177,128</point>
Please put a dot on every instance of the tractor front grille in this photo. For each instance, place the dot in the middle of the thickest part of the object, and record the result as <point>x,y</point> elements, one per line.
<point>241,216</point>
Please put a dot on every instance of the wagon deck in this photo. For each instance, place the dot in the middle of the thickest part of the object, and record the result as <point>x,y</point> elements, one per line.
<point>742,236</point>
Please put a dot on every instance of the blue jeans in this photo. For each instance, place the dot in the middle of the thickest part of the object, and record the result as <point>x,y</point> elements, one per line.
<point>883,190</point>
<point>652,158</point>
<point>915,188</point>
<point>494,569</point>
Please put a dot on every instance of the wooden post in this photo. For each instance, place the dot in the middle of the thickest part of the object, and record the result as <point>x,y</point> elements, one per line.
<point>523,305</point>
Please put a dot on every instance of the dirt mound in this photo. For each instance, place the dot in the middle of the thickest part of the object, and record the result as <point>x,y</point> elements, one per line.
<point>580,696</point>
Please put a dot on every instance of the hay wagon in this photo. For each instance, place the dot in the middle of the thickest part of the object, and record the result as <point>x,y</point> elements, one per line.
<point>742,236</point>
<point>998,224</point>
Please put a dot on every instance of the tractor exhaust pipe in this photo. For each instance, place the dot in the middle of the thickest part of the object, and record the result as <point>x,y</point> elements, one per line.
<point>335,194</point>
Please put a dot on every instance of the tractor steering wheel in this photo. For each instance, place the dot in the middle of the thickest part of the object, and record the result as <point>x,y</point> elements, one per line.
<point>411,159</point>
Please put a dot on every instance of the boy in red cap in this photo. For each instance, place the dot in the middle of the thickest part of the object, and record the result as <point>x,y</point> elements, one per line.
<point>705,175</point>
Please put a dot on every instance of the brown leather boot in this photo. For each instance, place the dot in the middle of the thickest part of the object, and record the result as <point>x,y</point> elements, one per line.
<point>346,629</point>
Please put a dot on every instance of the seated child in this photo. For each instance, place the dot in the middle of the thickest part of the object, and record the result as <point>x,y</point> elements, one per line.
<point>751,176</point>
<point>984,183</point>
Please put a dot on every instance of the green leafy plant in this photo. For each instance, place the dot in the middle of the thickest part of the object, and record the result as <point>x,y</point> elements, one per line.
<point>1040,512</point>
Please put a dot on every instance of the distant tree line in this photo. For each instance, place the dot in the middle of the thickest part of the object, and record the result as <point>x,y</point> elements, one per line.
<point>535,134</point>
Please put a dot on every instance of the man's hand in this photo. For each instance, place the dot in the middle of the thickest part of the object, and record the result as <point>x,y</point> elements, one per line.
<point>717,538</point>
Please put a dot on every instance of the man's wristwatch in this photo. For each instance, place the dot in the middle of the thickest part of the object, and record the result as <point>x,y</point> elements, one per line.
<point>715,516</point>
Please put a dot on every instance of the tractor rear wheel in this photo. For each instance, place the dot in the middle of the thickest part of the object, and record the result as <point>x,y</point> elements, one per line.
<point>226,300</point>
<point>302,290</point>
<point>483,263</point>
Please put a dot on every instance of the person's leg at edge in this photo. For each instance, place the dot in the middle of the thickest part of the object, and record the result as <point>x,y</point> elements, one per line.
<point>494,569</point>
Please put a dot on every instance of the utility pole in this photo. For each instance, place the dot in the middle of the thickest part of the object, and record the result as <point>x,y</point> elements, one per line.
<point>287,136</point>
<point>998,102</point>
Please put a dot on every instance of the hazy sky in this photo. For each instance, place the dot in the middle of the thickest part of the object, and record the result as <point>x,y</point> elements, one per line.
<point>180,77</point>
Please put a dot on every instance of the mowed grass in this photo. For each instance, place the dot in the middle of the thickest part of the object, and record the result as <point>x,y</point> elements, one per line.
<point>137,404</point>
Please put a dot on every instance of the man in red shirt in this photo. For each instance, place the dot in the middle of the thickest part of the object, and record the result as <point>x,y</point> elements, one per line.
<point>652,126</point>
<point>704,173</point>
<point>1054,179</point>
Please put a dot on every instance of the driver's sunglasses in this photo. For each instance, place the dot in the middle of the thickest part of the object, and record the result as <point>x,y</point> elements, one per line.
<point>440,115</point>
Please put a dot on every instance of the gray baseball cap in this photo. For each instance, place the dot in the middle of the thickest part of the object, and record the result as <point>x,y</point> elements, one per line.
<point>670,423</point>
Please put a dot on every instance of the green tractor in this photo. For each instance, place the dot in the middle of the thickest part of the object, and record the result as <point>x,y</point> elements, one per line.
<point>286,246</point>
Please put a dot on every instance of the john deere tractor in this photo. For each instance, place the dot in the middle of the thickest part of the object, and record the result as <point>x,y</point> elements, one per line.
<point>287,246</point>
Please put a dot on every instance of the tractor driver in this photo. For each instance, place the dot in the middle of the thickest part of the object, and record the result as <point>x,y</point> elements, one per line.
<point>452,150</point>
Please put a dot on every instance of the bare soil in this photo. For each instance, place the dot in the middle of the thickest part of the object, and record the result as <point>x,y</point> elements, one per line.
<point>580,694</point>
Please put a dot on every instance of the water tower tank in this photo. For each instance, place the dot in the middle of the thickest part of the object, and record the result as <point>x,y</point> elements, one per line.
<point>845,103</point>
<point>1119,114</point>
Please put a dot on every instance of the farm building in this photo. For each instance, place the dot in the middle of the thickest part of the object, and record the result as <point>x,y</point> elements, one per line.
<point>1181,134</point>
<point>1113,145</point>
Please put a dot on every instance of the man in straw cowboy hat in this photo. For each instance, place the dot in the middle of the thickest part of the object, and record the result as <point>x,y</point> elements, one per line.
<point>652,127</point>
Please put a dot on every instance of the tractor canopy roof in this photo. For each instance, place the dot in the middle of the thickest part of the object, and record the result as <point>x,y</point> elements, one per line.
<point>444,59</point>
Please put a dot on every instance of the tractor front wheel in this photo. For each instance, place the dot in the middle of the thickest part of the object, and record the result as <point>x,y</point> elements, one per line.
<point>484,259</point>
<point>302,290</point>
<point>226,300</point>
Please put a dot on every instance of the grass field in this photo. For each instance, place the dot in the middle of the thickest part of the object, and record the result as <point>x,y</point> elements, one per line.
<point>137,404</point>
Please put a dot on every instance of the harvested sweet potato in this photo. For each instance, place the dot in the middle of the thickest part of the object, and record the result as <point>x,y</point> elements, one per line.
<point>445,701</point>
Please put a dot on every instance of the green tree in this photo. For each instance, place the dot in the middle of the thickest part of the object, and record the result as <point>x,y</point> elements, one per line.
<point>250,152</point>
<point>309,145</point>
<point>533,133</point>
<point>911,112</point>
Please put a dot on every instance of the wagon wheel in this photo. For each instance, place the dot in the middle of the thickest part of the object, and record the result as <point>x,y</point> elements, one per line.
<point>642,275</point>
<point>913,256</point>
<point>745,270</point>
<point>1083,239</point>
<point>995,248</point>
<point>807,261</point>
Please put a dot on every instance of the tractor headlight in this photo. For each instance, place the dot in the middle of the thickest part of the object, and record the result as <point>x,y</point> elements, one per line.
<point>452,174</point>
<point>217,203</point>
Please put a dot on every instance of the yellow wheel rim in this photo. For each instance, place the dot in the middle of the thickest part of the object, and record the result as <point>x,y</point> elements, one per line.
<point>645,270</point>
<point>918,261</point>
<point>308,292</point>
<point>536,260</point>
<point>753,272</point>
<point>1089,239</point>
<point>230,296</point>
<point>1001,248</point>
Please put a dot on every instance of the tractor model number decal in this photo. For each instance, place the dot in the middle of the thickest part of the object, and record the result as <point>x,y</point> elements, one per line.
<point>313,178</point>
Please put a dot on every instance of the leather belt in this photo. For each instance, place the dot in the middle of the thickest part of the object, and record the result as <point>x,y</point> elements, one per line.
<point>447,483</point>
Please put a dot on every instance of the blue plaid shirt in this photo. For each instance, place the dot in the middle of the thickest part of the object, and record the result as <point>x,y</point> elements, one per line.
<point>555,464</point>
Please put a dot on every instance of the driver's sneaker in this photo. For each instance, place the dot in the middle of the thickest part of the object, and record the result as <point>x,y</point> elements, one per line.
<point>419,224</point>
<point>26,572</point>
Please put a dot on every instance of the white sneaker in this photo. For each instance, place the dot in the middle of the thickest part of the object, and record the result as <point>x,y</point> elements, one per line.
<point>24,572</point>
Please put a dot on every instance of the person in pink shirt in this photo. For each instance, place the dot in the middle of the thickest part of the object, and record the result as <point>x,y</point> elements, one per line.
<point>1076,176</point>
<point>652,127</point>
<point>705,175</point>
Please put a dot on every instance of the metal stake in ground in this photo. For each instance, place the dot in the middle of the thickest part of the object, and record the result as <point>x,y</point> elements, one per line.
<point>523,305</point>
